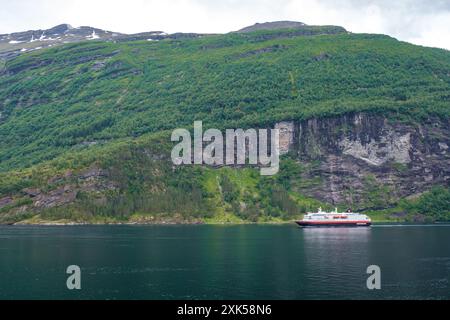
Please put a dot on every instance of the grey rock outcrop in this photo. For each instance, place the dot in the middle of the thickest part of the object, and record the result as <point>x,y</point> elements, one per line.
<point>5,201</point>
<point>347,158</point>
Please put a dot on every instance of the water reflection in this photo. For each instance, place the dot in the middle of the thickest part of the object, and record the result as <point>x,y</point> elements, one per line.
<point>233,262</point>
<point>336,260</point>
<point>341,235</point>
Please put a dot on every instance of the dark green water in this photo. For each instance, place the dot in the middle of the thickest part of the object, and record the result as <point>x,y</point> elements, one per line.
<point>229,262</point>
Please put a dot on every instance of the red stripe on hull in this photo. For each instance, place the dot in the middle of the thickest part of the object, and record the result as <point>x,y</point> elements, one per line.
<point>334,223</point>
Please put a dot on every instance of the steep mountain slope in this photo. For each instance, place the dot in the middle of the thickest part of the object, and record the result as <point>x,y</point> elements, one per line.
<point>84,128</point>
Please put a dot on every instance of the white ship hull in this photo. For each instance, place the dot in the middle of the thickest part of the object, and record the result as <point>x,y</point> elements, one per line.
<point>335,219</point>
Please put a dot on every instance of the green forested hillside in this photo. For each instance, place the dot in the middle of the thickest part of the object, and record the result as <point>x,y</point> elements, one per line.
<point>57,99</point>
<point>73,106</point>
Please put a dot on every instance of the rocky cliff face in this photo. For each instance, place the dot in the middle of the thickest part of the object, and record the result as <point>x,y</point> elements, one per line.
<point>368,160</point>
<point>361,160</point>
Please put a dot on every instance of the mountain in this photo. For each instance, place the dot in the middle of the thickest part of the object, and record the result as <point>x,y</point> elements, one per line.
<point>275,25</point>
<point>14,44</point>
<point>85,127</point>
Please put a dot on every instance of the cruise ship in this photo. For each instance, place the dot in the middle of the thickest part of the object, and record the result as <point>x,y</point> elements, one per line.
<point>335,219</point>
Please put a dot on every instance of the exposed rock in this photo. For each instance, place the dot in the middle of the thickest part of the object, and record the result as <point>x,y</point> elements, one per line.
<point>349,157</point>
<point>92,181</point>
<point>60,178</point>
<point>32,192</point>
<point>6,201</point>
<point>93,173</point>
<point>61,196</point>
<point>391,147</point>
<point>287,135</point>
<point>96,186</point>
<point>443,146</point>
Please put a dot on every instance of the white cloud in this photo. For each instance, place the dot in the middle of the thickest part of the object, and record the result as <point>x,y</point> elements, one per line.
<point>419,21</point>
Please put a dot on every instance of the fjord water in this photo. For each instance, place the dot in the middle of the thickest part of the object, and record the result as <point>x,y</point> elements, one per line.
<point>224,262</point>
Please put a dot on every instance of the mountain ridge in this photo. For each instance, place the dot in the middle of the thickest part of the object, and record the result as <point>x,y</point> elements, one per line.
<point>13,44</point>
<point>273,25</point>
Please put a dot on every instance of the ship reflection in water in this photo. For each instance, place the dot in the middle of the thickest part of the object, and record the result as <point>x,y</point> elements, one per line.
<point>336,260</point>
<point>341,235</point>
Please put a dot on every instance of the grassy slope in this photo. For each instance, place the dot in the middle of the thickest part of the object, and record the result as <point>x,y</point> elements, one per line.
<point>55,102</point>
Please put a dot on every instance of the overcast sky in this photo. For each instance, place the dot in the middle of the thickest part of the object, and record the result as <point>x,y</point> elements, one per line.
<point>424,22</point>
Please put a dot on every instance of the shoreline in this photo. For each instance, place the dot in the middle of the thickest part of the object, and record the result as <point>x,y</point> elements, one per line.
<point>293,222</point>
<point>225,220</point>
<point>74,224</point>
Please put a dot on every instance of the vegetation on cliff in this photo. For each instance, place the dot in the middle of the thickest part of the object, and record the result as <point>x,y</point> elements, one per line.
<point>109,106</point>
